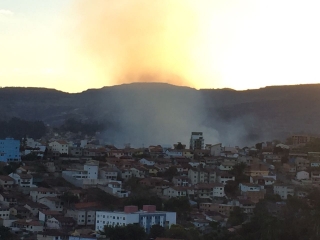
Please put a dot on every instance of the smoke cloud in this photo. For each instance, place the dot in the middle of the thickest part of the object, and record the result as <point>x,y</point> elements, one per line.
<point>150,41</point>
<point>129,41</point>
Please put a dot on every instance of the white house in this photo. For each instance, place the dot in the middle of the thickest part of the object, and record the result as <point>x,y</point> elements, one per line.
<point>60,146</point>
<point>38,193</point>
<point>171,153</point>
<point>144,161</point>
<point>226,166</point>
<point>302,175</point>
<point>54,203</point>
<point>176,191</point>
<point>23,180</point>
<point>249,187</point>
<point>215,150</point>
<point>283,190</point>
<point>108,173</point>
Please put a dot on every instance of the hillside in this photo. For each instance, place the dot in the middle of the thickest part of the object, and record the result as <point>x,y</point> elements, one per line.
<point>168,113</point>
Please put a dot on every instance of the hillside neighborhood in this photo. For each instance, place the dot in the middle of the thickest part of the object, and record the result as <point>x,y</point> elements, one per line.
<point>64,187</point>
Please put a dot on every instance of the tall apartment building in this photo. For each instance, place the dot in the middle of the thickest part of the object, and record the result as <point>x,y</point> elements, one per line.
<point>196,140</point>
<point>10,150</point>
<point>146,218</point>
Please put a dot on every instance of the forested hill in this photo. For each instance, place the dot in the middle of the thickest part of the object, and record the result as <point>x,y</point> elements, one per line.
<point>277,111</point>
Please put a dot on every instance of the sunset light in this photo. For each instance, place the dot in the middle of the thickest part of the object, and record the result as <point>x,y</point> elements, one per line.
<point>240,44</point>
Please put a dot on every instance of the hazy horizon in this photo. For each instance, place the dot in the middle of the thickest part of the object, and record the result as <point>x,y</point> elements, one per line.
<point>74,45</point>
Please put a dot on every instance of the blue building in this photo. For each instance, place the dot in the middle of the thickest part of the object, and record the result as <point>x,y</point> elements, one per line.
<point>10,150</point>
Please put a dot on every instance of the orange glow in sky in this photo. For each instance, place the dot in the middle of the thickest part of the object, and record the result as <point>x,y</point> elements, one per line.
<point>73,45</point>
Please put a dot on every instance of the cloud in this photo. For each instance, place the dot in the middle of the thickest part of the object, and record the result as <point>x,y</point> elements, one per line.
<point>6,12</point>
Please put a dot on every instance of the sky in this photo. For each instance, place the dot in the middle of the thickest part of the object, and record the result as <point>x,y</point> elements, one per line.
<point>74,45</point>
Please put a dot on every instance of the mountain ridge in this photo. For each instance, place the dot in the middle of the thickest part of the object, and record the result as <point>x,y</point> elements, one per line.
<point>274,111</point>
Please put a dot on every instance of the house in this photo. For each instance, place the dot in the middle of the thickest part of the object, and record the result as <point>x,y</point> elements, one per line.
<point>262,180</point>
<point>224,177</point>
<point>115,188</point>
<point>39,193</point>
<point>200,223</point>
<point>53,203</point>
<point>6,182</point>
<point>283,190</point>
<point>60,146</point>
<point>252,192</point>
<point>302,175</point>
<point>226,166</point>
<point>144,161</point>
<point>175,191</point>
<point>183,181</point>
<point>188,153</point>
<point>34,207</point>
<point>20,211</point>
<point>59,222</point>
<point>215,150</point>
<point>208,190</point>
<point>84,213</point>
<point>108,173</point>
<point>44,215</point>
<point>224,208</point>
<point>4,213</point>
<point>22,180</point>
<point>259,169</point>
<point>8,199</point>
<point>247,206</point>
<point>301,163</point>
<point>27,225</point>
<point>315,177</point>
<point>52,234</point>
<point>172,153</point>
<point>139,172</point>
<point>126,173</point>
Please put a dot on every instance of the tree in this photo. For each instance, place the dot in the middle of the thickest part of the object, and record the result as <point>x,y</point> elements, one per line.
<point>177,231</point>
<point>236,217</point>
<point>238,172</point>
<point>157,231</point>
<point>69,198</point>
<point>5,233</point>
<point>128,232</point>
<point>180,205</point>
<point>170,173</point>
<point>231,188</point>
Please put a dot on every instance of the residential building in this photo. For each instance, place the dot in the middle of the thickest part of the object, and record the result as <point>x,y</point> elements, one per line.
<point>144,161</point>
<point>201,175</point>
<point>60,146</point>
<point>27,225</point>
<point>108,173</point>
<point>84,213</point>
<point>39,193</point>
<point>283,190</point>
<point>175,191</point>
<point>10,150</point>
<point>146,218</point>
<point>196,140</point>
<point>6,182</point>
<point>22,180</point>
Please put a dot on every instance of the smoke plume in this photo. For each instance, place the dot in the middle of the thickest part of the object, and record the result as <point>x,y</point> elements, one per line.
<point>149,41</point>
